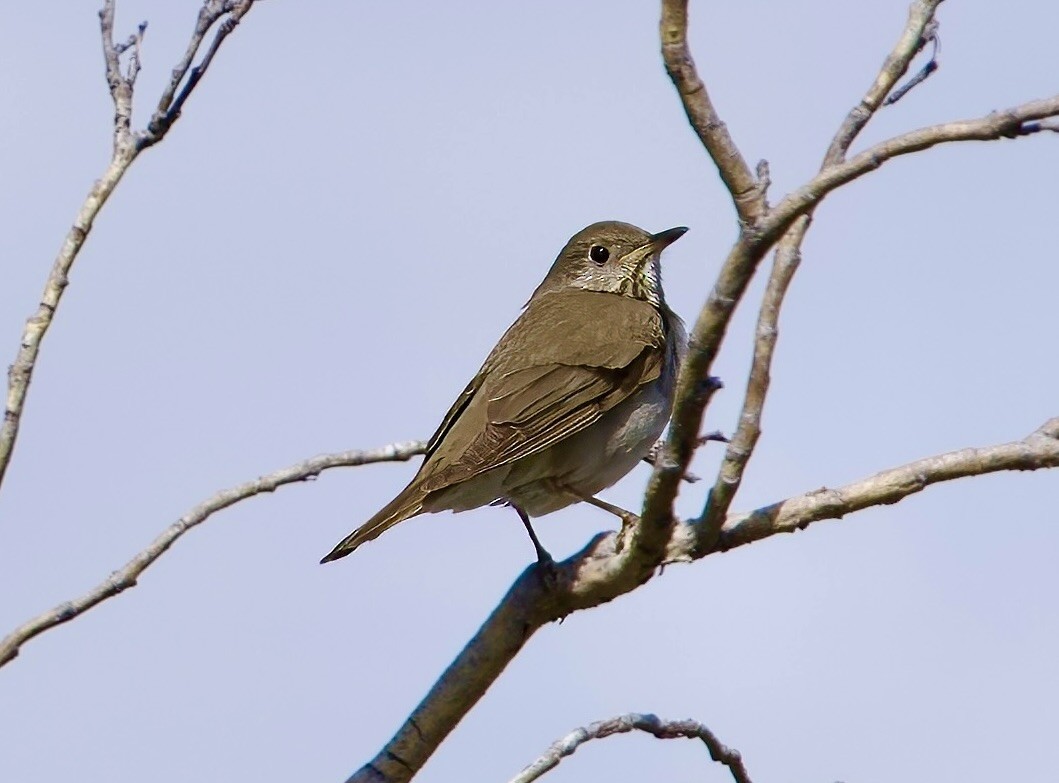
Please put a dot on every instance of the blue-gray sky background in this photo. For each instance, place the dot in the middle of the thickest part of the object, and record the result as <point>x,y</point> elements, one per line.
<point>354,206</point>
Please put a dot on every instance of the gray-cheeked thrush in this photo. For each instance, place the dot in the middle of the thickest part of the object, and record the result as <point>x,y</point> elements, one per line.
<point>576,392</point>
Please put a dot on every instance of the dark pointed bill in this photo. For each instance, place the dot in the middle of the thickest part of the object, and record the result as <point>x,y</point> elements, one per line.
<point>664,239</point>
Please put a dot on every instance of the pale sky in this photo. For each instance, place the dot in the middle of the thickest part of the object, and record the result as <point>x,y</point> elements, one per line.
<point>354,206</point>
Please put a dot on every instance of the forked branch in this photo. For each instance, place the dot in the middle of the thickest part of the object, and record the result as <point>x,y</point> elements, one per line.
<point>611,564</point>
<point>127,146</point>
<point>748,191</point>
<point>601,572</point>
<point>921,28</point>
<point>711,326</point>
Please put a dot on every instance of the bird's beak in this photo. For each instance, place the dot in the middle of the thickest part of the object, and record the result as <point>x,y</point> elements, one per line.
<point>664,239</point>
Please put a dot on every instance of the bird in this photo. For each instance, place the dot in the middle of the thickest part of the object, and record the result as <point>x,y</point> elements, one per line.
<point>576,392</point>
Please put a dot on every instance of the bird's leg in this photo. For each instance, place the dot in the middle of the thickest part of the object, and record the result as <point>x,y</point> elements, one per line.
<point>627,517</point>
<point>543,557</point>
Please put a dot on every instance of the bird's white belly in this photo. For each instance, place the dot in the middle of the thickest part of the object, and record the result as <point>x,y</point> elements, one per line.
<point>592,459</point>
<point>586,462</point>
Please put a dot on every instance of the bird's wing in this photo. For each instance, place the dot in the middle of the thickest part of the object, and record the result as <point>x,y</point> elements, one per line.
<point>569,358</point>
<point>454,412</point>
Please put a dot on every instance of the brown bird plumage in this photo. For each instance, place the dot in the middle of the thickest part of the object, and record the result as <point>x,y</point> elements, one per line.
<point>571,397</point>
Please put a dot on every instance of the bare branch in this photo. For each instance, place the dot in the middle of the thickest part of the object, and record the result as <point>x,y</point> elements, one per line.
<point>1018,121</point>
<point>169,108</point>
<point>929,35</point>
<point>120,86</point>
<point>748,192</point>
<point>652,724</point>
<point>127,146</point>
<point>741,447</point>
<point>710,328</point>
<point>920,28</point>
<point>126,576</point>
<point>604,569</point>
<point>1036,451</point>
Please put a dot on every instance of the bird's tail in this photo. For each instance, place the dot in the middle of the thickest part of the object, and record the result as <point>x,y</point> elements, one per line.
<point>407,504</point>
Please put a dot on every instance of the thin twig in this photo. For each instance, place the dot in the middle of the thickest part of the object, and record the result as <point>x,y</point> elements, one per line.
<point>126,576</point>
<point>136,41</point>
<point>931,35</point>
<point>785,263</point>
<point>710,328</point>
<point>920,27</point>
<point>120,87</point>
<point>1012,123</point>
<point>603,571</point>
<point>1038,450</point>
<point>653,725</point>
<point>652,456</point>
<point>211,11</point>
<point>126,147</point>
<point>169,107</point>
<point>761,229</point>
<point>747,191</point>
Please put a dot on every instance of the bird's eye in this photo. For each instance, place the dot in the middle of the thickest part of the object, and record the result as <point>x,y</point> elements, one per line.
<point>599,254</point>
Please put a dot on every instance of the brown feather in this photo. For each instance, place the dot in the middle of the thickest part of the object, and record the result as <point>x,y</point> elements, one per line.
<point>546,386</point>
<point>593,336</point>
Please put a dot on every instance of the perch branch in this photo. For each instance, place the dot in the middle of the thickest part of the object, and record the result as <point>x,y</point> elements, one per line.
<point>608,566</point>
<point>126,576</point>
<point>602,571</point>
<point>653,725</point>
<point>920,29</point>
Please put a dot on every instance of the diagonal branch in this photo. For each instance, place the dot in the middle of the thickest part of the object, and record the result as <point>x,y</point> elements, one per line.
<point>126,576</point>
<point>601,572</point>
<point>651,724</point>
<point>741,446</point>
<point>127,146</point>
<point>1038,450</point>
<point>172,103</point>
<point>609,565</point>
<point>710,328</point>
<point>1013,123</point>
<point>747,191</point>
<point>920,28</point>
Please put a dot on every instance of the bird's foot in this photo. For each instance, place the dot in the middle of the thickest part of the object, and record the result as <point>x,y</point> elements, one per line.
<point>547,570</point>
